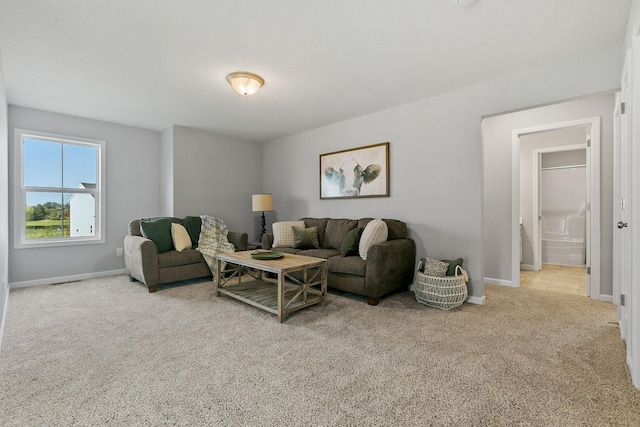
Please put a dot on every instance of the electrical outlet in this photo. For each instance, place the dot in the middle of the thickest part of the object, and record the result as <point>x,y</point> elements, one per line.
<point>119,252</point>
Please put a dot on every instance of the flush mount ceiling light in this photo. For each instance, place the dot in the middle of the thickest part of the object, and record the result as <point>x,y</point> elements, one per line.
<point>463,3</point>
<point>245,83</point>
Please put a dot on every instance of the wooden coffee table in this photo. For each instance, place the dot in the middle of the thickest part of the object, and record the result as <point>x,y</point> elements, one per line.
<point>279,296</point>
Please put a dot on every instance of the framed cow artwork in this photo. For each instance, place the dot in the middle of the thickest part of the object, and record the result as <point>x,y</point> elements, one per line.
<point>354,173</point>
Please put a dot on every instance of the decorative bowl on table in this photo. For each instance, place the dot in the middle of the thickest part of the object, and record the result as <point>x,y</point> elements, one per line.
<point>267,255</point>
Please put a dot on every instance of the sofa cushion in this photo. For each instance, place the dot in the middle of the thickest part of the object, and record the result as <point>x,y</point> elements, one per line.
<point>159,231</point>
<point>175,258</point>
<point>180,237</point>
<point>397,229</point>
<point>351,242</point>
<point>320,253</point>
<point>283,233</point>
<point>347,265</point>
<point>376,231</point>
<point>305,238</point>
<point>320,223</point>
<point>193,224</point>
<point>336,231</point>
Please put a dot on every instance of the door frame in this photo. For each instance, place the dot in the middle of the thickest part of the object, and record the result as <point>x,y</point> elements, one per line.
<point>617,200</point>
<point>593,260</point>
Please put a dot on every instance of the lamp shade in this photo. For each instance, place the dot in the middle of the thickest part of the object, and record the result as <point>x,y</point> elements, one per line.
<point>262,203</point>
<point>245,83</point>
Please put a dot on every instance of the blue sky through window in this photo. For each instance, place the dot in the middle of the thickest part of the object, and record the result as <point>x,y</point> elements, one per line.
<point>53,164</point>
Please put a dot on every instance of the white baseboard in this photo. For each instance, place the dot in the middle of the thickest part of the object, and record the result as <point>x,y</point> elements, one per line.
<point>65,279</point>
<point>476,300</point>
<point>606,298</point>
<point>501,282</point>
<point>527,267</point>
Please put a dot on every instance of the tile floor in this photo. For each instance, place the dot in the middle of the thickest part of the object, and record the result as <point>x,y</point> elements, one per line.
<point>556,278</point>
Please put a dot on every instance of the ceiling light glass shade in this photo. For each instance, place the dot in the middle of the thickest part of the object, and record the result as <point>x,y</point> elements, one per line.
<point>245,83</point>
<point>262,203</point>
<point>463,3</point>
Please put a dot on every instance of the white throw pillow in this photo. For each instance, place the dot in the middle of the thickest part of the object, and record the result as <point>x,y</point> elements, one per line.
<point>180,237</point>
<point>283,233</point>
<point>376,231</point>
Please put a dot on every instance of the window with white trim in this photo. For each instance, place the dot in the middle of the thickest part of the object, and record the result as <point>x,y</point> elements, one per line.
<point>59,190</point>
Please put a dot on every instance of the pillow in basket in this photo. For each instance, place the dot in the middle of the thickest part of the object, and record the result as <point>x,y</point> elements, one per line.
<point>433,267</point>
<point>453,263</point>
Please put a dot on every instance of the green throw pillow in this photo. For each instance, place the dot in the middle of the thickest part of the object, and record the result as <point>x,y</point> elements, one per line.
<point>193,224</point>
<point>351,242</point>
<point>305,238</point>
<point>159,231</point>
<point>451,271</point>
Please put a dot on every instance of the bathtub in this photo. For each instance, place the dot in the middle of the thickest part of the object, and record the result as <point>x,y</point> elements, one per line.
<point>563,240</point>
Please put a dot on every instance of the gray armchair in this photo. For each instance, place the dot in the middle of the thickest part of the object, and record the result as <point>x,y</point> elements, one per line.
<point>143,263</point>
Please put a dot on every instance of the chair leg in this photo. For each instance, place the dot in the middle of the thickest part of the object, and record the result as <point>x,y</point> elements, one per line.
<point>373,301</point>
<point>152,289</point>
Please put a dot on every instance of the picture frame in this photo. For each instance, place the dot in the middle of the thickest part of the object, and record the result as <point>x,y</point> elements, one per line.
<point>355,173</point>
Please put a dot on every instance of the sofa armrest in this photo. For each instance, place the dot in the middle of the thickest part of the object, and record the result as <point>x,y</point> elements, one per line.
<point>239,240</point>
<point>141,260</point>
<point>267,240</point>
<point>390,266</point>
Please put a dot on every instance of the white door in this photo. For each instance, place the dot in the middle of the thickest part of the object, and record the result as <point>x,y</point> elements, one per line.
<point>622,208</point>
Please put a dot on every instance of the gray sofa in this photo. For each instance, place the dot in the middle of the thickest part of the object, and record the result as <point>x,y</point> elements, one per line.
<point>143,262</point>
<point>389,265</point>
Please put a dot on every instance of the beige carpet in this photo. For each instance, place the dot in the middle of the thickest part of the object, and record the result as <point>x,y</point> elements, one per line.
<point>106,352</point>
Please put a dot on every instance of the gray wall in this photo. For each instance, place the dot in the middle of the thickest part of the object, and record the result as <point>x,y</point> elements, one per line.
<point>166,177</point>
<point>528,143</point>
<point>497,177</point>
<point>4,205</point>
<point>435,157</point>
<point>216,175</point>
<point>179,172</point>
<point>633,14</point>
<point>132,190</point>
<point>564,158</point>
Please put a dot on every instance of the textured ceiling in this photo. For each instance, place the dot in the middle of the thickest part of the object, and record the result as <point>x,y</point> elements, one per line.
<point>155,64</point>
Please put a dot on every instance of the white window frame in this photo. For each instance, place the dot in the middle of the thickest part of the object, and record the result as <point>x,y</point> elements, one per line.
<point>20,191</point>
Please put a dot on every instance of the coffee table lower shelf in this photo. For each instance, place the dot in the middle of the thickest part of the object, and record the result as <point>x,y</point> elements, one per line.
<point>264,294</point>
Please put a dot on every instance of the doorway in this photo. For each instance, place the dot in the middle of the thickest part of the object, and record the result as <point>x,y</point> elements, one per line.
<point>557,191</point>
<point>526,212</point>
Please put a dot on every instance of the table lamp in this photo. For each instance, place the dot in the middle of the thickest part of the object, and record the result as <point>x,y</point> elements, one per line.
<point>262,203</point>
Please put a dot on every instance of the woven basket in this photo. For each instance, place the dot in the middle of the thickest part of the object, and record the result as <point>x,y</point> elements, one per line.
<point>442,292</point>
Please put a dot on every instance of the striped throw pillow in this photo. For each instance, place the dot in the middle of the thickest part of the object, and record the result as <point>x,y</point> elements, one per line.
<point>376,231</point>
<point>283,233</point>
